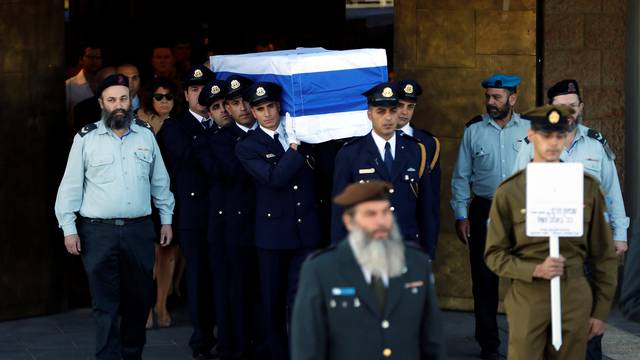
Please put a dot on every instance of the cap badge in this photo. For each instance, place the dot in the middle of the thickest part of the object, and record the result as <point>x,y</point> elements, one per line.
<point>235,84</point>
<point>197,73</point>
<point>215,90</point>
<point>571,87</point>
<point>387,92</point>
<point>260,91</point>
<point>408,89</point>
<point>554,117</point>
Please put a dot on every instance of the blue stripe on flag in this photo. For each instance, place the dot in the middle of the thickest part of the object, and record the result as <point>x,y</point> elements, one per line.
<point>323,92</point>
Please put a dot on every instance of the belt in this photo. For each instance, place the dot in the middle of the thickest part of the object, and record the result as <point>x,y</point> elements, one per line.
<point>117,222</point>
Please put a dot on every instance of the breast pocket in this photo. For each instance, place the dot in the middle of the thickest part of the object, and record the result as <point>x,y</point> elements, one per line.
<point>100,170</point>
<point>481,159</point>
<point>143,163</point>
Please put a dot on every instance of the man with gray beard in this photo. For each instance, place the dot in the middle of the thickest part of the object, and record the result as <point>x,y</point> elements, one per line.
<point>103,206</point>
<point>371,296</point>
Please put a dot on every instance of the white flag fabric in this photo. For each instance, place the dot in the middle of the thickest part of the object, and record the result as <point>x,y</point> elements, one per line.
<point>322,89</point>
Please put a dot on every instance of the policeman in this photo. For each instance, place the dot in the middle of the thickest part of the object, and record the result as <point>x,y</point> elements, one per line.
<point>235,106</point>
<point>114,169</point>
<point>177,139</point>
<point>487,152</point>
<point>371,296</point>
<point>589,147</point>
<point>212,98</point>
<point>287,227</point>
<point>409,90</point>
<point>525,260</point>
<point>386,154</point>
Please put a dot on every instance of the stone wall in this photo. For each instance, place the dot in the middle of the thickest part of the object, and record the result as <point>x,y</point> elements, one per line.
<point>450,46</point>
<point>584,40</point>
<point>32,103</point>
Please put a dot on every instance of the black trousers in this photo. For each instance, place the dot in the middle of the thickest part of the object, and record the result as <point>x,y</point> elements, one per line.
<point>237,293</point>
<point>279,274</point>
<point>485,284</point>
<point>119,265</point>
<point>200,286</point>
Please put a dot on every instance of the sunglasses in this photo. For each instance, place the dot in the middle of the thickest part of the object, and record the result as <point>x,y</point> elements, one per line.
<point>158,97</point>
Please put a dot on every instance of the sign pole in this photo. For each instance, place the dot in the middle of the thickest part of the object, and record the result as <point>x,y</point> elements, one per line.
<point>556,305</point>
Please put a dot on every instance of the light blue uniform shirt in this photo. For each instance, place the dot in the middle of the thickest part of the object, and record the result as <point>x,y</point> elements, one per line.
<point>593,156</point>
<point>108,177</point>
<point>486,157</point>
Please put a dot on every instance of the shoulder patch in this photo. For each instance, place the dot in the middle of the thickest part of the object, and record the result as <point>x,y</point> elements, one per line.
<point>143,124</point>
<point>317,253</point>
<point>87,129</point>
<point>594,134</point>
<point>476,119</point>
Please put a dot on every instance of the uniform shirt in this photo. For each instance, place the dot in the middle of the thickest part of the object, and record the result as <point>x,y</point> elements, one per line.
<point>78,89</point>
<point>381,142</point>
<point>282,136</point>
<point>407,129</point>
<point>108,177</point>
<point>486,157</point>
<point>246,129</point>
<point>593,156</point>
<point>512,254</point>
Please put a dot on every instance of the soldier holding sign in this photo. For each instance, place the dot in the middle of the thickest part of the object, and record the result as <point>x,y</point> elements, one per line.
<point>510,253</point>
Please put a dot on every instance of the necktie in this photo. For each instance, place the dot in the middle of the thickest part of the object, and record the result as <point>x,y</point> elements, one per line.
<point>388,159</point>
<point>207,124</point>
<point>378,290</point>
<point>276,138</point>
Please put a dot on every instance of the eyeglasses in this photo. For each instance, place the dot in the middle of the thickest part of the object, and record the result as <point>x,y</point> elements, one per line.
<point>158,97</point>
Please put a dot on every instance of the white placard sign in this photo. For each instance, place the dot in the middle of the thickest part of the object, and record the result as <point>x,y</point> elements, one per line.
<point>554,199</point>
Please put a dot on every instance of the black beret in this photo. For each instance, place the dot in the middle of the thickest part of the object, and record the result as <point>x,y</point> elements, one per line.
<point>198,75</point>
<point>384,94</point>
<point>357,193</point>
<point>112,80</point>
<point>237,85</point>
<point>409,90</point>
<point>549,118</point>
<point>563,87</point>
<point>212,92</point>
<point>260,92</point>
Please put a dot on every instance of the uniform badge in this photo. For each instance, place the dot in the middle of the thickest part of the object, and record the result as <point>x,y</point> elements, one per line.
<point>215,89</point>
<point>387,92</point>
<point>343,291</point>
<point>571,87</point>
<point>414,284</point>
<point>269,156</point>
<point>408,89</point>
<point>367,171</point>
<point>554,117</point>
<point>411,169</point>
<point>260,91</point>
<point>197,73</point>
<point>235,84</point>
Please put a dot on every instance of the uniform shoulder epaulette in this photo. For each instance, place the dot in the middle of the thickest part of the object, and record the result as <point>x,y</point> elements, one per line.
<point>594,134</point>
<point>87,129</point>
<point>409,137</point>
<point>317,253</point>
<point>144,124</point>
<point>526,140</point>
<point>476,119</point>
<point>353,140</point>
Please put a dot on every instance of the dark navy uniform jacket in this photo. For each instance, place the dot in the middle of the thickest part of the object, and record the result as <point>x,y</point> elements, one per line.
<point>188,180</point>
<point>286,205</point>
<point>434,173</point>
<point>336,314</point>
<point>231,188</point>
<point>412,200</point>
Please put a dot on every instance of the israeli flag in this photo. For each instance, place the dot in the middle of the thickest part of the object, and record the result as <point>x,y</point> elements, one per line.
<point>322,89</point>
